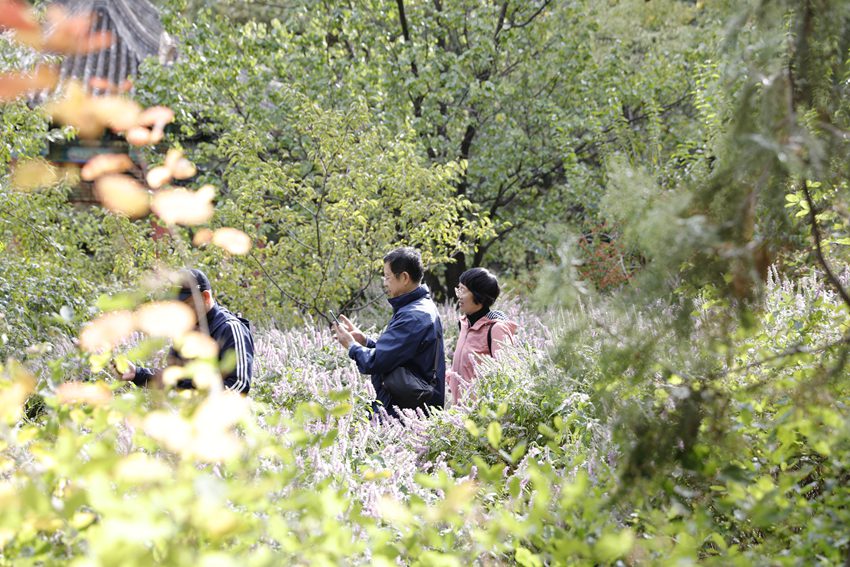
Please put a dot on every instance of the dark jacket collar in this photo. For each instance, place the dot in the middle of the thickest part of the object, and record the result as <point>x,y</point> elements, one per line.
<point>409,297</point>
<point>213,313</point>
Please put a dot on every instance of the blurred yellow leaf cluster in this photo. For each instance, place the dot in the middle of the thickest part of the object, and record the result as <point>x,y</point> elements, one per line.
<point>208,436</point>
<point>171,319</point>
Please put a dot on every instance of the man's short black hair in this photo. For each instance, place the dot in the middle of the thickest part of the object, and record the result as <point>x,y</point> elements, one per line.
<point>190,280</point>
<point>483,285</point>
<point>408,260</point>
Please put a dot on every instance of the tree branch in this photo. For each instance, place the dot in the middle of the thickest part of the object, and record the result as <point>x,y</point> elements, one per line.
<point>405,33</point>
<point>533,16</point>
<point>836,283</point>
<point>501,23</point>
<point>298,302</point>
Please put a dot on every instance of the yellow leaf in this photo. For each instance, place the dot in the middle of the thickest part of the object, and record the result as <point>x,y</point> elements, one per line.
<point>172,374</point>
<point>172,157</point>
<point>205,375</point>
<point>139,136</point>
<point>107,331</point>
<point>6,535</point>
<point>76,109</point>
<point>34,174</point>
<point>184,169</point>
<point>14,395</point>
<point>158,176</point>
<point>213,447</point>
<point>105,163</point>
<point>180,167</point>
<point>394,512</point>
<point>82,520</point>
<point>141,468</point>
<point>117,112</point>
<point>221,411</point>
<point>156,116</point>
<point>233,240</point>
<point>179,206</point>
<point>123,194</point>
<point>198,345</point>
<point>169,429</point>
<point>171,319</point>
<point>81,393</point>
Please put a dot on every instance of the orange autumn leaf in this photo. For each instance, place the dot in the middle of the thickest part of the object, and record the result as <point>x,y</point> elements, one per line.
<point>107,331</point>
<point>233,240</point>
<point>122,194</point>
<point>65,43</point>
<point>103,84</point>
<point>17,84</point>
<point>105,163</point>
<point>72,34</point>
<point>16,15</point>
<point>202,237</point>
<point>187,208</point>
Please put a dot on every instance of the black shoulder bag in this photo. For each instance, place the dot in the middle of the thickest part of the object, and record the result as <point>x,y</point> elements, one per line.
<point>409,390</point>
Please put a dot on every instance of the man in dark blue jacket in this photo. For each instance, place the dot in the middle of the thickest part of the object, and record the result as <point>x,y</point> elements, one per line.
<point>232,333</point>
<point>413,339</point>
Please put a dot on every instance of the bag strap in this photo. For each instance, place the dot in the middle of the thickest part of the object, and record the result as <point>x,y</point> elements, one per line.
<point>436,359</point>
<point>490,339</point>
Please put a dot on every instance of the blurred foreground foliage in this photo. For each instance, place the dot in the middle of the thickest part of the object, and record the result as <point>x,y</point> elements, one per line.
<point>696,412</point>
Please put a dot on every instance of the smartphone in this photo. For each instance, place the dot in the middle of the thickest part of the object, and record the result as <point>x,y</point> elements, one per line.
<point>333,316</point>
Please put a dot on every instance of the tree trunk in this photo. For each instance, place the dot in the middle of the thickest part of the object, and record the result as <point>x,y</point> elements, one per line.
<point>452,276</point>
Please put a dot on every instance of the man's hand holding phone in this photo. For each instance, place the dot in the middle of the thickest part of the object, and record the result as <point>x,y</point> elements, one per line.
<point>346,332</point>
<point>124,369</point>
<point>355,333</point>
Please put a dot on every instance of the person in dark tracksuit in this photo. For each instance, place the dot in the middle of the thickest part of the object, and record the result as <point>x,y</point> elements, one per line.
<point>413,338</point>
<point>232,333</point>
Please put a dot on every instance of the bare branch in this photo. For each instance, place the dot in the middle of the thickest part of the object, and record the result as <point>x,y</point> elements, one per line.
<point>836,283</point>
<point>533,16</point>
<point>501,23</point>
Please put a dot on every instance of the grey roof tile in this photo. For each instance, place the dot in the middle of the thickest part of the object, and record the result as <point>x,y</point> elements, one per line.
<point>137,34</point>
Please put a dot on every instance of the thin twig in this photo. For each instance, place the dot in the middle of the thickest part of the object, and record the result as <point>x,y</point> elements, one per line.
<point>295,300</point>
<point>836,283</point>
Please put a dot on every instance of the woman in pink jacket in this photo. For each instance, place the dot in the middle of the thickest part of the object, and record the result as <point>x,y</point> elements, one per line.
<point>483,332</point>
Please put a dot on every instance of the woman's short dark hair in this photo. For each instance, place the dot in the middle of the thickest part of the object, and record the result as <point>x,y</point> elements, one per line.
<point>483,285</point>
<point>408,260</point>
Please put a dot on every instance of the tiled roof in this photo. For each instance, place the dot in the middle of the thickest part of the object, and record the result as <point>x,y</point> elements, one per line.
<point>137,33</point>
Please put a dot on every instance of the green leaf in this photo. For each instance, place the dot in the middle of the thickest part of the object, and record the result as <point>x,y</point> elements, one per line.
<point>494,434</point>
<point>527,559</point>
<point>613,546</point>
